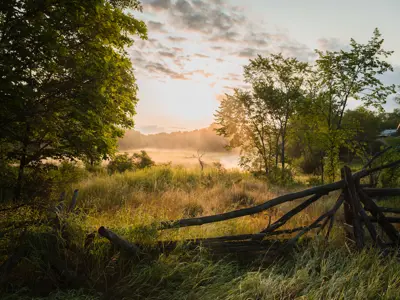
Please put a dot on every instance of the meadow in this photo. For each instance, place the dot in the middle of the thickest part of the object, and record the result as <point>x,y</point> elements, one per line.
<point>133,203</point>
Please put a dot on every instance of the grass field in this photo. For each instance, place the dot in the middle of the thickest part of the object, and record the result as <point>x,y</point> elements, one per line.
<point>132,203</point>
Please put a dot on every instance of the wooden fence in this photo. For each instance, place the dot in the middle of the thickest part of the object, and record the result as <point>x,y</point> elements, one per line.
<point>360,210</point>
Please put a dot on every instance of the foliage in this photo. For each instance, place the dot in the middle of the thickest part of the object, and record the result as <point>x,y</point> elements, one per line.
<point>344,75</point>
<point>142,160</point>
<point>67,83</point>
<point>120,163</point>
<point>123,162</point>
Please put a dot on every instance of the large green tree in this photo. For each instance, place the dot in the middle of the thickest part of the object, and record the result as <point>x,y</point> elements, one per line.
<point>67,85</point>
<point>350,74</point>
<point>278,82</point>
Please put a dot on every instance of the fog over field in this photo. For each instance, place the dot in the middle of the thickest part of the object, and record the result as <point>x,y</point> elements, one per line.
<point>188,157</point>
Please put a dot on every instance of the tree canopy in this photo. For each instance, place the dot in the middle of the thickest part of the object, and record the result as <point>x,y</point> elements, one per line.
<point>306,104</point>
<point>67,84</point>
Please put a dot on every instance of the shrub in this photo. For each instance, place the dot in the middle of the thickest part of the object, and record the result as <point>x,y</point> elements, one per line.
<point>142,160</point>
<point>120,163</point>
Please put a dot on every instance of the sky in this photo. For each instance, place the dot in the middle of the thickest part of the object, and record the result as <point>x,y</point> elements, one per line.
<point>196,49</point>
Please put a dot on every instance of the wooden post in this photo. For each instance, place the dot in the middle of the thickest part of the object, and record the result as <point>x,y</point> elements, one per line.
<point>354,202</point>
<point>348,215</point>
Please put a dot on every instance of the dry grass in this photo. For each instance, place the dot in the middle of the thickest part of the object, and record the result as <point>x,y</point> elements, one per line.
<point>144,198</point>
<point>133,203</point>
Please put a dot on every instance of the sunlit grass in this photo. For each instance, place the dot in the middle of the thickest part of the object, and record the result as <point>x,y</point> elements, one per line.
<point>132,204</point>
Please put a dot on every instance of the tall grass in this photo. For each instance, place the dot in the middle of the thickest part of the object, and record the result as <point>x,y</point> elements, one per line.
<point>132,204</point>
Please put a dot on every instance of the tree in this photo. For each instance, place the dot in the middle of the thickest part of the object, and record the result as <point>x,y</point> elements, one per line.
<point>245,121</point>
<point>142,160</point>
<point>67,84</point>
<point>365,125</point>
<point>278,82</point>
<point>350,74</point>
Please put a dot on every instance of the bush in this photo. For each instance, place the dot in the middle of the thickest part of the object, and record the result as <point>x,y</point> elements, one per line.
<point>309,164</point>
<point>123,162</point>
<point>280,177</point>
<point>142,160</point>
<point>120,164</point>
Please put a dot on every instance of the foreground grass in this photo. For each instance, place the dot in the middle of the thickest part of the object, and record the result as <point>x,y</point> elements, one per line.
<point>317,272</point>
<point>132,204</point>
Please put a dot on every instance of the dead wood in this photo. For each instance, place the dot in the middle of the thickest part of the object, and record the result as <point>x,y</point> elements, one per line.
<point>119,242</point>
<point>329,213</point>
<point>382,192</point>
<point>323,189</point>
<point>282,221</point>
<point>380,153</point>
<point>352,198</point>
<point>371,206</point>
<point>389,210</point>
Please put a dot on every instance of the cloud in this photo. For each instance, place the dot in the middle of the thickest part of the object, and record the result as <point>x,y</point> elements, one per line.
<point>157,5</point>
<point>176,49</point>
<point>156,26</point>
<point>330,44</point>
<point>199,55</point>
<point>177,39</point>
<point>227,36</point>
<point>204,16</point>
<point>162,69</point>
<point>166,54</point>
<point>246,53</point>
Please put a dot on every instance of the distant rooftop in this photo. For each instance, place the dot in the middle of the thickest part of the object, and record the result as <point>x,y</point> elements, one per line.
<point>388,132</point>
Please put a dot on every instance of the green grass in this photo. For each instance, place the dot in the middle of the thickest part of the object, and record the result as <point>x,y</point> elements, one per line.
<point>132,203</point>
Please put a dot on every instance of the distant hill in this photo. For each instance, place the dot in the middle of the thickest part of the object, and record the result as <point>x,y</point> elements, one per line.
<point>202,139</point>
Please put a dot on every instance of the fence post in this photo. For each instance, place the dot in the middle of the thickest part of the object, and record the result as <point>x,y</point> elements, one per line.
<point>348,215</point>
<point>356,209</point>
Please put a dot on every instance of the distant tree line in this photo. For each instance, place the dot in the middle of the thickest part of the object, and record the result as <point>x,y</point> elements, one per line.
<point>204,139</point>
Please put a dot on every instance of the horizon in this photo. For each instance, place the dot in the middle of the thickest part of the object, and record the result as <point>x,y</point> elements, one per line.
<point>196,49</point>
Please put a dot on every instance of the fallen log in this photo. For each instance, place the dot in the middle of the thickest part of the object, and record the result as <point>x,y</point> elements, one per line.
<point>119,242</point>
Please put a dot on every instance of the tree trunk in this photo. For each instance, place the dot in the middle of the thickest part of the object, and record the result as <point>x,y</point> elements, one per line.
<point>322,166</point>
<point>283,156</point>
<point>20,179</point>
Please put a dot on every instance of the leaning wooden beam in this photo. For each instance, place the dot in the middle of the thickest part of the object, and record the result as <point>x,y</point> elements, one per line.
<point>371,228</point>
<point>389,219</point>
<point>354,201</point>
<point>380,153</point>
<point>286,217</point>
<point>384,192</point>
<point>250,236</point>
<point>328,214</point>
<point>371,206</point>
<point>323,189</point>
<point>118,241</point>
<point>364,173</point>
<point>389,210</point>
